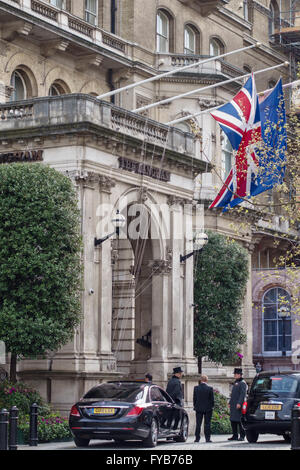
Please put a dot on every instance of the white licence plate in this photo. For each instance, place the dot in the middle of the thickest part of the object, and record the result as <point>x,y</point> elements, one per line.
<point>270,415</point>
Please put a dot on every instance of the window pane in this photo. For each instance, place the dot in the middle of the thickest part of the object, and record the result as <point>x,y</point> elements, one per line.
<point>162,44</point>
<point>280,384</point>
<point>288,327</point>
<point>288,343</point>
<point>214,48</point>
<point>270,296</point>
<point>91,5</point>
<point>189,41</point>
<point>270,327</point>
<point>283,296</point>
<point>270,343</point>
<point>18,84</point>
<point>117,391</point>
<point>270,312</point>
<point>58,3</point>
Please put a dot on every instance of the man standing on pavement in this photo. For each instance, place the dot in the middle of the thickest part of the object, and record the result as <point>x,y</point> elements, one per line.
<point>237,398</point>
<point>174,387</point>
<point>203,405</point>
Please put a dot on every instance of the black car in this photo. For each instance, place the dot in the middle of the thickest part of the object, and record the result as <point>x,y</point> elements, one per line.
<point>127,411</point>
<point>270,401</point>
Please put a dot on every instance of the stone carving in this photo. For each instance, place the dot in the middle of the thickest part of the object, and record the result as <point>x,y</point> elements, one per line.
<point>106,183</point>
<point>161,266</point>
<point>176,200</point>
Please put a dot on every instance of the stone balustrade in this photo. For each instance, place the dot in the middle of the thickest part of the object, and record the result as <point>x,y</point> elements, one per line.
<point>214,67</point>
<point>67,21</point>
<point>73,110</point>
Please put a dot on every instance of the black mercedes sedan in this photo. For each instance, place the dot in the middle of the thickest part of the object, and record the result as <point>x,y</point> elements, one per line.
<point>122,411</point>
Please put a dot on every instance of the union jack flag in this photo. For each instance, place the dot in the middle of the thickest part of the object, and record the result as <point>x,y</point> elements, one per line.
<point>240,120</point>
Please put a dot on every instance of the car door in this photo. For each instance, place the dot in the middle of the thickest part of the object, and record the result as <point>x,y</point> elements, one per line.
<point>173,413</point>
<point>161,409</point>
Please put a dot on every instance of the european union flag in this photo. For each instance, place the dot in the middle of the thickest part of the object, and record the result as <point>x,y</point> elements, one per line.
<point>272,156</point>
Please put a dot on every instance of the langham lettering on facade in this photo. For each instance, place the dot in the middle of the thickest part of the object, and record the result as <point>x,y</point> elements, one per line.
<point>144,169</point>
<point>22,156</point>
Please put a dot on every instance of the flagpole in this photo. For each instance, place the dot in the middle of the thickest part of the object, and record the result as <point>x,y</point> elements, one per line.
<point>188,93</point>
<point>189,116</point>
<point>171,72</point>
<point>287,85</point>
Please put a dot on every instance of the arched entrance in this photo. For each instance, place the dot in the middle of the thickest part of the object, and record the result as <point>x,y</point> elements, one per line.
<point>134,274</point>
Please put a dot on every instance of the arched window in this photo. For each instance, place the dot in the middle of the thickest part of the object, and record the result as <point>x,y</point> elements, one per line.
<point>245,10</point>
<point>227,155</point>
<point>18,82</point>
<point>57,88</point>
<point>216,47</point>
<point>271,83</point>
<point>191,39</point>
<point>162,32</point>
<point>274,299</point>
<point>273,18</point>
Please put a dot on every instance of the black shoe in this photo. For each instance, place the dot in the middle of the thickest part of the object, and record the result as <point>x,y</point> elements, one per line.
<point>241,439</point>
<point>196,440</point>
<point>233,438</point>
<point>209,440</point>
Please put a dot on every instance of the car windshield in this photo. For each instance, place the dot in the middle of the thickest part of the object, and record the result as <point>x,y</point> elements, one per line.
<point>116,391</point>
<point>276,384</point>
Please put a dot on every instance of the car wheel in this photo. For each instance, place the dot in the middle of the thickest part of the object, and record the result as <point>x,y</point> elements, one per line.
<point>151,440</point>
<point>252,436</point>
<point>287,437</point>
<point>184,430</point>
<point>81,442</point>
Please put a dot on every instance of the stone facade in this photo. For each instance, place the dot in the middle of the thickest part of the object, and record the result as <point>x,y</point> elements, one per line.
<point>116,158</point>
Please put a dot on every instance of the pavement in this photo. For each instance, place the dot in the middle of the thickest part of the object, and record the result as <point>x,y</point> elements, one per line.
<point>219,442</point>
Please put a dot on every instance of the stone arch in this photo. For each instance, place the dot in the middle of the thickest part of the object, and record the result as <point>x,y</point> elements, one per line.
<point>198,39</point>
<point>60,87</point>
<point>60,75</point>
<point>219,42</point>
<point>27,75</point>
<point>133,291</point>
<point>92,87</point>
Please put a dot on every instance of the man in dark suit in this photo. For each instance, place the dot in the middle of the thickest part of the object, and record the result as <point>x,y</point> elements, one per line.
<point>203,405</point>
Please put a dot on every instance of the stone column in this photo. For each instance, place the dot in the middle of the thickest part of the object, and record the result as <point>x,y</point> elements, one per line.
<point>161,270</point>
<point>103,253</point>
<point>188,294</point>
<point>88,361</point>
<point>176,306</point>
<point>247,349</point>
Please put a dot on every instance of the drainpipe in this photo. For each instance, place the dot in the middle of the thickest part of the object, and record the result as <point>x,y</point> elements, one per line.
<point>111,85</point>
<point>113,9</point>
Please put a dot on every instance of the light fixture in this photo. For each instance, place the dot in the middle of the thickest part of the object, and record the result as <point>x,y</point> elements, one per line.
<point>284,312</point>
<point>200,240</point>
<point>118,222</point>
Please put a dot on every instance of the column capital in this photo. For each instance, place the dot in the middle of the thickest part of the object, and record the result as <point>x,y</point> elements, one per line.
<point>177,201</point>
<point>106,184</point>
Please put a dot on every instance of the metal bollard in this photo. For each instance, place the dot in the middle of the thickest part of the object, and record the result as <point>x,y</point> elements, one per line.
<point>13,428</point>
<point>3,429</point>
<point>33,431</point>
<point>295,438</point>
